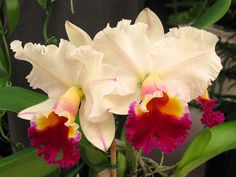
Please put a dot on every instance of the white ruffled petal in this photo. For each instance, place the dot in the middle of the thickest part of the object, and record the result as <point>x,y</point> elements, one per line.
<point>54,70</point>
<point>186,61</point>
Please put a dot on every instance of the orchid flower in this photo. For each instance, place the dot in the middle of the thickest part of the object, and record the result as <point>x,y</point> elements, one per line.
<point>72,77</point>
<point>210,117</point>
<point>157,75</point>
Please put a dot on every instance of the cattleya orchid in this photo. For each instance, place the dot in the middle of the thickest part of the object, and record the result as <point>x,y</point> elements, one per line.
<point>157,75</point>
<point>74,79</point>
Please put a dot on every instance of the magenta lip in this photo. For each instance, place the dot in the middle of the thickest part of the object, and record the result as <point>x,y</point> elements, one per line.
<point>53,141</point>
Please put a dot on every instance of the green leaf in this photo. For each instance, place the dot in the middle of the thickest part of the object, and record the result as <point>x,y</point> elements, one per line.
<point>13,14</point>
<point>213,14</point>
<point>42,3</point>
<point>25,163</point>
<point>93,157</point>
<point>207,145</point>
<point>3,80</point>
<point>55,173</point>
<point>196,147</point>
<point>16,98</point>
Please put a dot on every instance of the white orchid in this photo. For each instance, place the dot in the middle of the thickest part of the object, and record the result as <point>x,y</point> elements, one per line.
<point>71,77</point>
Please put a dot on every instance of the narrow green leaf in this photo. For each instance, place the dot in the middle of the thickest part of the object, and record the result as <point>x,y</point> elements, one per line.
<point>16,98</point>
<point>3,65</point>
<point>25,163</point>
<point>13,14</point>
<point>213,14</point>
<point>75,170</point>
<point>131,155</point>
<point>222,139</point>
<point>121,170</point>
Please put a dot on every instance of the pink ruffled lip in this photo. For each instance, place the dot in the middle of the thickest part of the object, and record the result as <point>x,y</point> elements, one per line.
<point>53,141</point>
<point>155,129</point>
<point>210,117</point>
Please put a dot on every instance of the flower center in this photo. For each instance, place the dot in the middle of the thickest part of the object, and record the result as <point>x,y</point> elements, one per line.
<point>56,135</point>
<point>151,83</point>
<point>68,104</point>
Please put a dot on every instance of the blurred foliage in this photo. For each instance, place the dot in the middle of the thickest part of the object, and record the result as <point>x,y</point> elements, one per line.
<point>186,12</point>
<point>8,20</point>
<point>47,6</point>
<point>223,88</point>
<point>25,163</point>
<point>227,51</point>
<point>9,17</point>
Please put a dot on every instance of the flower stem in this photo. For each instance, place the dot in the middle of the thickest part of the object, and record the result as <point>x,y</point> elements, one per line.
<point>5,44</point>
<point>113,157</point>
<point>45,24</point>
<point>72,6</point>
<point>132,159</point>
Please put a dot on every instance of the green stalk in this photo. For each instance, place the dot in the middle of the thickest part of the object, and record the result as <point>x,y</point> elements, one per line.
<point>72,6</point>
<point>132,159</point>
<point>45,24</point>
<point>2,132</point>
<point>46,21</point>
<point>7,51</point>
